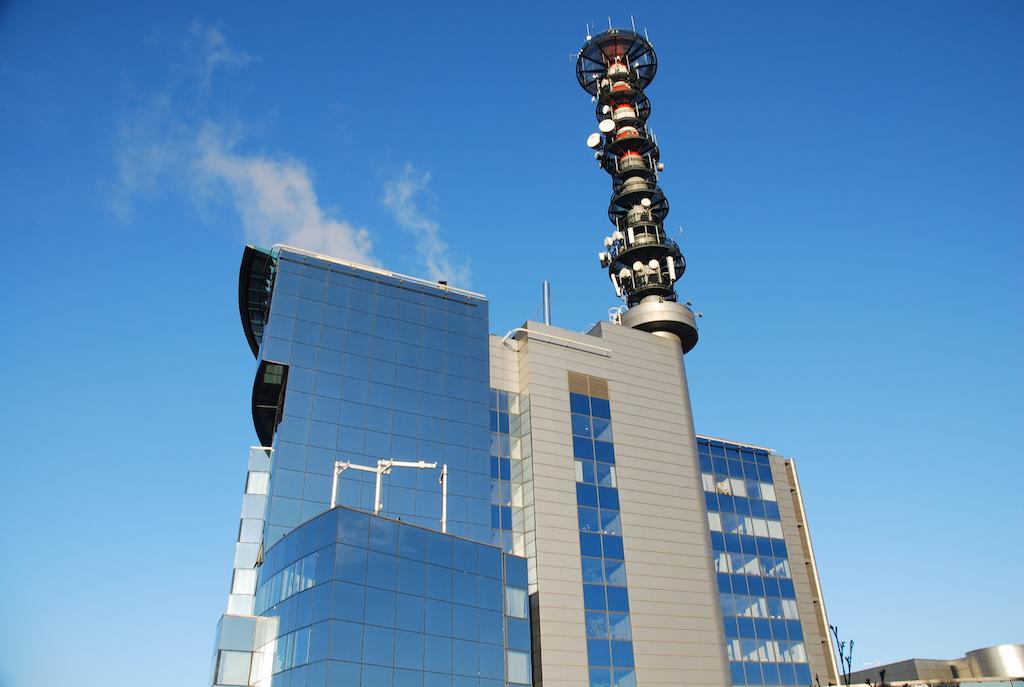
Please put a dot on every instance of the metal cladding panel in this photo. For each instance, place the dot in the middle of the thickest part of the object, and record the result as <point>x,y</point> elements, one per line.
<point>675,615</point>
<point>1005,660</point>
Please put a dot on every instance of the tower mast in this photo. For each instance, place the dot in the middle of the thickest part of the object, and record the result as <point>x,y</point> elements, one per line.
<point>643,262</point>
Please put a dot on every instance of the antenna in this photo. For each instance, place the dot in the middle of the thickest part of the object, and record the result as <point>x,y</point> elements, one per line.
<point>631,21</point>
<point>546,300</point>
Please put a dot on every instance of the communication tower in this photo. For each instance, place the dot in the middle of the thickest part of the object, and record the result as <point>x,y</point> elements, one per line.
<point>643,262</point>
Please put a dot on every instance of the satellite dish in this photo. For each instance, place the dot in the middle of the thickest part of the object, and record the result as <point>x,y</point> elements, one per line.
<point>593,140</point>
<point>623,273</point>
<point>654,264</point>
<point>606,109</point>
<point>646,202</point>
<point>637,266</point>
<point>606,126</point>
<point>661,166</point>
<point>608,241</point>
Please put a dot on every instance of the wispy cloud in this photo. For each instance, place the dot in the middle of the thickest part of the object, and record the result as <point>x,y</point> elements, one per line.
<point>401,196</point>
<point>275,199</point>
<point>161,148</point>
<point>210,51</point>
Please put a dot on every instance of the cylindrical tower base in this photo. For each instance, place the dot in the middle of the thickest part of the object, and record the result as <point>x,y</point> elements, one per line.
<point>664,318</point>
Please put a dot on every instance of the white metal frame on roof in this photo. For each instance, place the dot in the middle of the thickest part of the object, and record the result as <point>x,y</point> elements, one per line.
<point>384,467</point>
<point>381,271</point>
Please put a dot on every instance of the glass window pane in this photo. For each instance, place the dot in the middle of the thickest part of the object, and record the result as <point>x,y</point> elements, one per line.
<point>586,495</point>
<point>606,475</point>
<point>519,668</point>
<point>516,602</point>
<point>597,624</point>
<point>598,653</point>
<point>602,429</point>
<point>582,447</point>
<point>600,677</point>
<point>611,522</point>
<point>581,426</point>
<point>715,522</point>
<point>613,547</point>
<point>618,599</point>
<point>257,483</point>
<point>579,403</point>
<point>604,452</point>
<point>244,581</point>
<point>600,408</point>
<point>618,624</point>
<point>593,597</point>
<point>592,570</point>
<point>615,573</point>
<point>625,677</point>
<point>589,520</point>
<point>622,653</point>
<point>233,667</point>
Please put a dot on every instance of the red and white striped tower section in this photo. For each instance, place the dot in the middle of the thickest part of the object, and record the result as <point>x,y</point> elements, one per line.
<point>642,261</point>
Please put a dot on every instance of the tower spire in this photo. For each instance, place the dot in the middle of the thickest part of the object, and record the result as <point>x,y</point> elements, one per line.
<point>643,262</point>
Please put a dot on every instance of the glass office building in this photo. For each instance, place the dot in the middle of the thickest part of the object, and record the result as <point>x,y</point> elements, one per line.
<point>583,535</point>
<point>361,365</point>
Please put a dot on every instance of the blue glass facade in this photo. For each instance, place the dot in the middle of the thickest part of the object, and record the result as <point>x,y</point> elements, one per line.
<point>605,596</point>
<point>350,598</point>
<point>375,366</point>
<point>506,520</point>
<point>763,636</point>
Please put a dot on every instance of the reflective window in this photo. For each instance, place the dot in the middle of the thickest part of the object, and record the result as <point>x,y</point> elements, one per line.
<point>257,483</point>
<point>396,635</point>
<point>605,598</point>
<point>519,668</point>
<point>762,628</point>
<point>507,529</point>
<point>339,341</point>
<point>516,602</point>
<point>233,667</point>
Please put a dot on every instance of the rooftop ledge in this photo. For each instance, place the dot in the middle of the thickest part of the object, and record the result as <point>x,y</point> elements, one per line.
<point>378,270</point>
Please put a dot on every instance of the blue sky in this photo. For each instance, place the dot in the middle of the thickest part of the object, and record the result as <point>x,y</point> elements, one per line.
<point>848,179</point>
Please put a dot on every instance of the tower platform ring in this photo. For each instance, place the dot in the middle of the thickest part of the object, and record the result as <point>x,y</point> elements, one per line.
<point>601,50</point>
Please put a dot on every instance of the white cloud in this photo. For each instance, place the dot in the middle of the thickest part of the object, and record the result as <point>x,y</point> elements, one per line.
<point>275,199</point>
<point>400,198</point>
<point>170,145</point>
<point>161,148</point>
<point>151,144</point>
<point>210,50</point>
